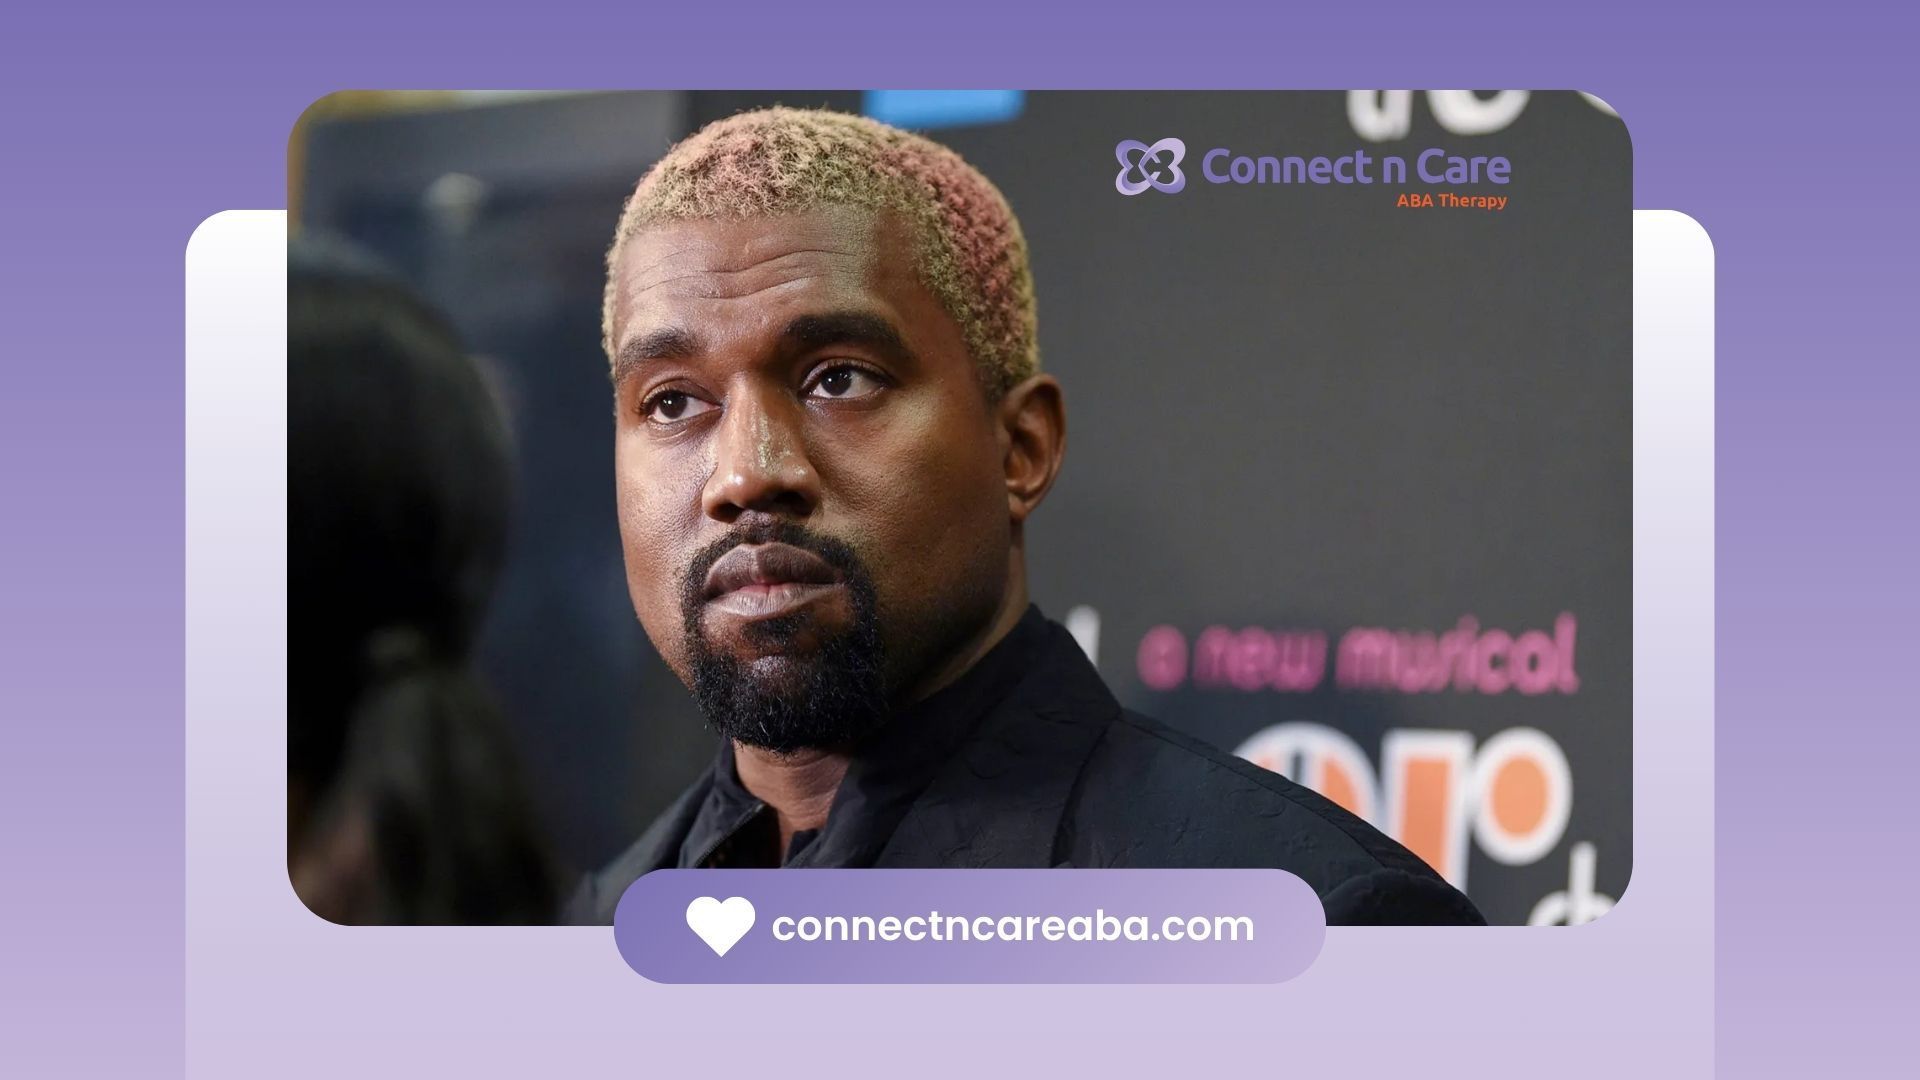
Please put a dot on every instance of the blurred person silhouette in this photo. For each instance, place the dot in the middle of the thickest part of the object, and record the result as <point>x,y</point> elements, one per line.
<point>405,798</point>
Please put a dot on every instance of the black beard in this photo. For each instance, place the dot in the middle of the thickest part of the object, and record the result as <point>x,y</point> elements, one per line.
<point>831,698</point>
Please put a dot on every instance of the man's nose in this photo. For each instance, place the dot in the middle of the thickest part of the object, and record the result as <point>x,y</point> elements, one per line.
<point>760,459</point>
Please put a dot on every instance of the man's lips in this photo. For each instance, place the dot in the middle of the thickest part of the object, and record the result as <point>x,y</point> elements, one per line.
<point>759,578</point>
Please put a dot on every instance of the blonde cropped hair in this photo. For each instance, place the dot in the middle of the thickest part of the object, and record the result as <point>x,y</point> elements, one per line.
<point>776,161</point>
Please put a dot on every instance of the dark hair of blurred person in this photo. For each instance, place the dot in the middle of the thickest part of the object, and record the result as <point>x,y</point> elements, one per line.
<point>405,802</point>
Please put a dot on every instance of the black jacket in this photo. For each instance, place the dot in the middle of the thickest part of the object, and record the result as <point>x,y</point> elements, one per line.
<point>1029,761</point>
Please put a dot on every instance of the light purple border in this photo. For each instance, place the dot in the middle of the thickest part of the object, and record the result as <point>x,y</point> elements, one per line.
<point>1776,125</point>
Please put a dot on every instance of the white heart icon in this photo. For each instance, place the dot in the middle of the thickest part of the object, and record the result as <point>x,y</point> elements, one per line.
<point>720,924</point>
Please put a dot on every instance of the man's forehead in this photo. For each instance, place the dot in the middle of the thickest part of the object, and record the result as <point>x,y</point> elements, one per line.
<point>840,254</point>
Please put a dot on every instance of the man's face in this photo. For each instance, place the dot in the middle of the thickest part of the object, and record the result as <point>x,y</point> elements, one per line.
<point>812,498</point>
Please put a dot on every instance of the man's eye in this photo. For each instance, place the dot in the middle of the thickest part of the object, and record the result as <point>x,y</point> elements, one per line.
<point>670,406</point>
<point>844,383</point>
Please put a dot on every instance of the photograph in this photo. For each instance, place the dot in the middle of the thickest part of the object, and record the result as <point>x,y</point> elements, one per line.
<point>960,480</point>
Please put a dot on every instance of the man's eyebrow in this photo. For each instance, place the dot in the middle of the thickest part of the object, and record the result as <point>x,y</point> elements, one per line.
<point>849,328</point>
<point>670,343</point>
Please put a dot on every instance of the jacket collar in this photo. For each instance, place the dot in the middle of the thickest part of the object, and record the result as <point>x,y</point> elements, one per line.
<point>1002,799</point>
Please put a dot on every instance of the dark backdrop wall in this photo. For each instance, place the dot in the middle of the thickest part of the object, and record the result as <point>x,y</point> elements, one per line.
<point>1348,487</point>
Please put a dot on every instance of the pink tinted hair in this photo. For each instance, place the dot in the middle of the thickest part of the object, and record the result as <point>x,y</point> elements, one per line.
<point>776,161</point>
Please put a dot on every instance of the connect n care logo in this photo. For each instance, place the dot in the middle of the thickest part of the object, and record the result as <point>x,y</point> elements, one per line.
<point>1156,166</point>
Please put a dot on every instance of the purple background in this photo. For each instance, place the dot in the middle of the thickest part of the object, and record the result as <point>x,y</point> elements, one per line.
<point>1289,925</point>
<point>1785,130</point>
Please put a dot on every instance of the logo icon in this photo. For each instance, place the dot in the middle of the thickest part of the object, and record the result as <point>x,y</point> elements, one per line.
<point>1156,166</point>
<point>720,924</point>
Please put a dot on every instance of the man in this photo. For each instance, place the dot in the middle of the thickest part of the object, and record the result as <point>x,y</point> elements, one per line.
<point>831,433</point>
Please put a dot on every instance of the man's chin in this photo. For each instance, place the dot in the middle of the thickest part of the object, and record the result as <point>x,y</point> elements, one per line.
<point>787,702</point>
<point>782,680</point>
<point>803,670</point>
<point>784,747</point>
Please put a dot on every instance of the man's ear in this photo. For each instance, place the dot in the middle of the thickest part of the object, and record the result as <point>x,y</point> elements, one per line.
<point>1033,415</point>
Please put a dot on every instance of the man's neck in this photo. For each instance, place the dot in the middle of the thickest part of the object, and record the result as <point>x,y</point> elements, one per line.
<point>1012,606</point>
<point>798,786</point>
